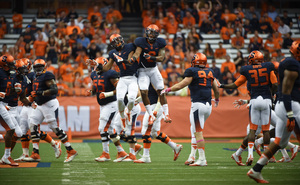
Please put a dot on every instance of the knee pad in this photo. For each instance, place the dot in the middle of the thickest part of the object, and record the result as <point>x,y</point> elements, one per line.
<point>52,125</point>
<point>114,138</point>
<point>43,135</point>
<point>131,139</point>
<point>104,137</point>
<point>146,139</point>
<point>18,131</point>
<point>60,133</point>
<point>123,137</point>
<point>25,138</point>
<point>162,137</point>
<point>35,136</point>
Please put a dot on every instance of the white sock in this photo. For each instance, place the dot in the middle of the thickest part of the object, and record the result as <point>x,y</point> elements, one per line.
<point>239,151</point>
<point>120,148</point>
<point>166,109</point>
<point>172,144</point>
<point>146,152</point>
<point>272,140</point>
<point>201,154</point>
<point>1,136</point>
<point>131,150</point>
<point>265,147</point>
<point>105,146</point>
<point>290,145</point>
<point>263,160</point>
<point>67,144</point>
<point>259,141</point>
<point>149,110</point>
<point>25,151</point>
<point>121,107</point>
<point>284,153</point>
<point>250,149</point>
<point>7,152</point>
<point>35,145</point>
<point>52,142</point>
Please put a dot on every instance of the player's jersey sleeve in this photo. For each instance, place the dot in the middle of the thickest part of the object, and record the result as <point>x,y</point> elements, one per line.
<point>291,65</point>
<point>112,74</point>
<point>49,76</point>
<point>161,42</point>
<point>139,42</point>
<point>188,73</point>
<point>111,55</point>
<point>243,71</point>
<point>132,46</point>
<point>93,75</point>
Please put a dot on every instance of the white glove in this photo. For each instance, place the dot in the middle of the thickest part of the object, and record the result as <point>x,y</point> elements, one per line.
<point>119,59</point>
<point>2,95</point>
<point>216,102</point>
<point>239,103</point>
<point>18,87</point>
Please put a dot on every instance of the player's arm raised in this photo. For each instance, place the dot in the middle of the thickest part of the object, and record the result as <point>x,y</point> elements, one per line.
<point>185,82</point>
<point>136,55</point>
<point>242,79</point>
<point>108,66</point>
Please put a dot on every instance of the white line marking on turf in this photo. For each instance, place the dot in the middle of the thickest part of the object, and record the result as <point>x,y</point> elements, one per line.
<point>79,174</point>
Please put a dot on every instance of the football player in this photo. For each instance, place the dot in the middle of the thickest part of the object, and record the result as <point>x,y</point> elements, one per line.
<point>44,93</point>
<point>287,109</point>
<point>258,74</point>
<point>153,130</point>
<point>200,81</point>
<point>151,50</point>
<point>127,83</point>
<point>104,84</point>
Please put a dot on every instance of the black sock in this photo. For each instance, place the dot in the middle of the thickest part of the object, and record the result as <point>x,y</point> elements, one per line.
<point>258,167</point>
<point>69,148</point>
<point>35,150</point>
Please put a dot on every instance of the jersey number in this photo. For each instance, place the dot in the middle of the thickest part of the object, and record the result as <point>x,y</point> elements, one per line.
<point>202,74</point>
<point>261,73</point>
<point>35,86</point>
<point>8,88</point>
<point>151,53</point>
<point>100,85</point>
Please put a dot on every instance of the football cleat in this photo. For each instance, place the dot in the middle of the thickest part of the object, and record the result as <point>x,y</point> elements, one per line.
<point>57,149</point>
<point>168,119</point>
<point>199,162</point>
<point>130,158</point>
<point>284,160</point>
<point>272,160</point>
<point>137,148</point>
<point>9,161</point>
<point>151,120</point>
<point>257,176</point>
<point>21,158</point>
<point>121,156</point>
<point>294,151</point>
<point>177,151</point>
<point>190,160</point>
<point>144,159</point>
<point>237,159</point>
<point>35,157</point>
<point>257,149</point>
<point>249,161</point>
<point>71,155</point>
<point>103,158</point>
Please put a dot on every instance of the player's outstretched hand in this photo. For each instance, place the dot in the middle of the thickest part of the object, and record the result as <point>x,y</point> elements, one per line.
<point>102,95</point>
<point>291,121</point>
<point>18,87</point>
<point>216,102</point>
<point>165,91</point>
<point>132,60</point>
<point>33,105</point>
<point>239,103</point>
<point>88,93</point>
<point>2,95</point>
<point>147,56</point>
<point>119,59</point>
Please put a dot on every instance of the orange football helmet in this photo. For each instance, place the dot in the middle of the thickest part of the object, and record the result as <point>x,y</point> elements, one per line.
<point>20,67</point>
<point>101,61</point>
<point>7,62</point>
<point>117,41</point>
<point>199,59</point>
<point>255,57</point>
<point>295,50</point>
<point>39,66</point>
<point>28,63</point>
<point>152,32</point>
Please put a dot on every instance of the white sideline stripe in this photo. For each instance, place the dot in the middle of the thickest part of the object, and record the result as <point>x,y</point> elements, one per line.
<point>73,173</point>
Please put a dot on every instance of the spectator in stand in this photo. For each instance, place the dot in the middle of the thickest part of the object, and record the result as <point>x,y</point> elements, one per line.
<point>286,19</point>
<point>227,16</point>
<point>283,28</point>
<point>160,22</point>
<point>230,92</point>
<point>173,76</point>
<point>237,42</point>
<point>163,73</point>
<point>33,26</point>
<point>39,47</point>
<point>230,65</point>
<point>147,19</point>
<point>39,32</point>
<point>76,48</point>
<point>93,49</point>
<point>17,20</point>
<point>87,33</point>
<point>179,14</point>
<point>216,13</point>
<point>217,28</point>
<point>178,57</point>
<point>208,51</point>
<point>83,40</point>
<point>266,18</point>
<point>172,25</point>
<point>81,58</point>
<point>113,16</point>
<point>277,38</point>
<point>226,33</point>
<point>69,29</point>
<point>160,9</point>
<point>250,12</point>
<point>66,72</point>
<point>188,20</point>
<point>40,13</point>
<point>197,35</point>
<point>51,68</point>
<point>265,26</point>
<point>28,52</point>
<point>115,30</point>
<point>287,41</point>
<point>98,41</point>
<point>194,13</point>
<point>204,11</point>
<point>267,57</point>
<point>52,49</point>
<point>51,13</point>
<point>225,75</point>
<point>248,27</point>
<point>61,31</point>
<point>217,71</point>
<point>239,60</point>
<point>63,89</point>
<point>72,14</point>
<point>4,25</point>
<point>272,13</point>
<point>172,8</point>
<point>279,55</point>
<point>241,29</point>
<point>220,52</point>
<point>47,29</point>
<point>254,44</point>
<point>4,50</point>
<point>65,54</point>
<point>191,51</point>
<point>28,36</point>
<point>254,22</point>
<point>275,24</point>
<point>95,13</point>
<point>271,45</point>
<point>78,22</point>
<point>77,69</point>
<point>61,17</point>
<point>206,26</point>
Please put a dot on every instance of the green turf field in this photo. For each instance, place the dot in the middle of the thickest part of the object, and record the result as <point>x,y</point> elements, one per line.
<point>163,170</point>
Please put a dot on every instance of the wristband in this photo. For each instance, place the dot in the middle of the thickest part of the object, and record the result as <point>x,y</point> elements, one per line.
<point>290,114</point>
<point>152,58</point>
<point>108,94</point>
<point>287,102</point>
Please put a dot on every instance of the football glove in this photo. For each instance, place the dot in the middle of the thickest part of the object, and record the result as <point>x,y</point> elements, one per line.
<point>132,60</point>
<point>88,93</point>
<point>106,94</point>
<point>2,95</point>
<point>216,102</point>
<point>7,107</point>
<point>33,105</point>
<point>291,121</point>
<point>239,103</point>
<point>165,91</point>
<point>30,99</point>
<point>149,57</point>
<point>119,59</point>
<point>18,87</point>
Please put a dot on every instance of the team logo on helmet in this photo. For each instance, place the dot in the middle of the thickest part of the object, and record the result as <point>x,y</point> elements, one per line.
<point>117,41</point>
<point>295,50</point>
<point>39,66</point>
<point>199,59</point>
<point>255,57</point>
<point>152,32</point>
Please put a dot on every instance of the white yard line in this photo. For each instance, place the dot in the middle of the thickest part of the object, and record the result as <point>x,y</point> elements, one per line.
<point>78,173</point>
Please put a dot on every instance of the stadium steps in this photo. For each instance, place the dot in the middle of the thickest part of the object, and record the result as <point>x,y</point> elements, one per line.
<point>131,25</point>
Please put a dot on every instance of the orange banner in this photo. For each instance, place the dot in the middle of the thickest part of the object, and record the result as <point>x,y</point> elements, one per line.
<point>81,115</point>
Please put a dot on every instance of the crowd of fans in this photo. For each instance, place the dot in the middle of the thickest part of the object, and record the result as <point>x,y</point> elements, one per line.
<point>74,38</point>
